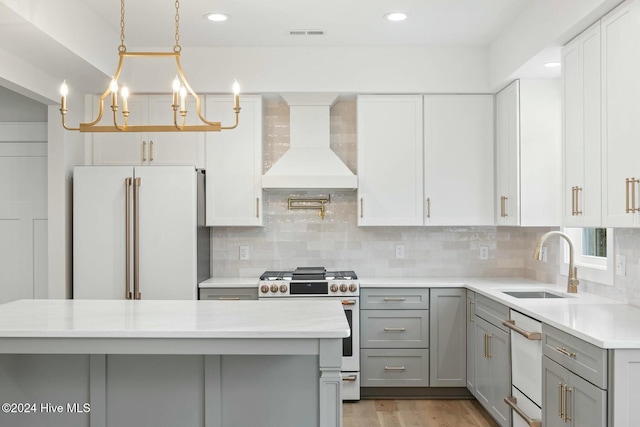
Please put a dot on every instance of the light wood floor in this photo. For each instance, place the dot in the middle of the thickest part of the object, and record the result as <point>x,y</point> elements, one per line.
<point>415,413</point>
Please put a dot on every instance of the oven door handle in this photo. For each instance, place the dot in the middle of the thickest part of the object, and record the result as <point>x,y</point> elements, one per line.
<point>348,302</point>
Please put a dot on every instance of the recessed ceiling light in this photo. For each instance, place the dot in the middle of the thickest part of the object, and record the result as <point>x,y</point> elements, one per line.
<point>216,17</point>
<point>396,16</point>
<point>552,64</point>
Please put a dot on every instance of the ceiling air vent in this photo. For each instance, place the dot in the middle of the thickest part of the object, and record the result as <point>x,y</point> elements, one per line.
<point>306,33</point>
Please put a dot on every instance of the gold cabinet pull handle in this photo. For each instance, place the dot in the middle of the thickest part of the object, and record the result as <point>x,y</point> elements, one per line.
<point>151,151</point>
<point>136,239</point>
<point>627,181</point>
<point>578,190</point>
<point>389,329</point>
<point>389,299</point>
<point>506,207</point>
<point>485,347</point>
<point>144,151</point>
<point>560,413</point>
<point>428,207</point>
<point>531,336</point>
<point>471,312</point>
<point>512,402</point>
<point>564,351</point>
<point>633,195</point>
<point>394,368</point>
<point>127,288</point>
<point>350,378</point>
<point>573,201</point>
<point>567,390</point>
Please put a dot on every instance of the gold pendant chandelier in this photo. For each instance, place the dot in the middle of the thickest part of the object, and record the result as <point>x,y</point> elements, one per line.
<point>181,89</point>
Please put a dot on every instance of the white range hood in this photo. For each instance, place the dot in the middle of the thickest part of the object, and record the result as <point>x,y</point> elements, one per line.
<point>309,163</point>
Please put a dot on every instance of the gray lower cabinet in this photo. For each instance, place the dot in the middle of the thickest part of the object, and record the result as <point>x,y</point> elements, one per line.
<point>574,381</point>
<point>229,294</point>
<point>569,400</point>
<point>492,363</point>
<point>448,337</point>
<point>394,337</point>
<point>471,340</point>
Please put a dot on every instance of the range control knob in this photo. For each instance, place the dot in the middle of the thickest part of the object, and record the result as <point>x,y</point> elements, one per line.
<point>274,288</point>
<point>333,288</point>
<point>264,289</point>
<point>353,287</point>
<point>283,288</point>
<point>343,288</point>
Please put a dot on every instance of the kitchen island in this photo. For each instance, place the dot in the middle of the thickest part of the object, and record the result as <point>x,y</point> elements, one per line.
<point>111,363</point>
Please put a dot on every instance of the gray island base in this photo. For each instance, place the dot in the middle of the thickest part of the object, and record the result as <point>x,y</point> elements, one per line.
<point>112,363</point>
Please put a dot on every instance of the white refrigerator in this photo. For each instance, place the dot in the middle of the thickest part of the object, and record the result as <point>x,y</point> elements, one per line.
<point>138,232</point>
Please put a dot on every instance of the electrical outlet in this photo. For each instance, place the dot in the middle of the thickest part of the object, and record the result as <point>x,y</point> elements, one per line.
<point>621,265</point>
<point>543,254</point>
<point>399,251</point>
<point>484,252</point>
<point>244,252</point>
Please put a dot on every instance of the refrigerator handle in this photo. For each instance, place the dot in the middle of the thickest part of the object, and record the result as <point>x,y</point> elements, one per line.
<point>136,239</point>
<point>127,289</point>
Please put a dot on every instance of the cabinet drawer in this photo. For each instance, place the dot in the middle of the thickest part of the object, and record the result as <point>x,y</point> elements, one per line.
<point>394,368</point>
<point>394,328</point>
<point>400,298</point>
<point>229,294</point>
<point>491,311</point>
<point>578,356</point>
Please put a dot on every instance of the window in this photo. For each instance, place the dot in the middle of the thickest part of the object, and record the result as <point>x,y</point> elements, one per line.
<point>593,254</point>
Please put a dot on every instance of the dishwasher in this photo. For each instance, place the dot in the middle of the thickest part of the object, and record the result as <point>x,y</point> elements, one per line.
<point>526,370</point>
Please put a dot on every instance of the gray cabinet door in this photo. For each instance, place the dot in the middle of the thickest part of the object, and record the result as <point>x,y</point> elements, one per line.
<point>493,370</point>
<point>499,345</point>
<point>471,346</point>
<point>570,400</point>
<point>448,337</point>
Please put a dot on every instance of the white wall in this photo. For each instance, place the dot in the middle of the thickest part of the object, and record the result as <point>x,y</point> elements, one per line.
<point>324,69</point>
<point>542,24</point>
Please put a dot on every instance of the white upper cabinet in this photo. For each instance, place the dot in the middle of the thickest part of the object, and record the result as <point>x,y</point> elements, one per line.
<point>458,159</point>
<point>390,172</point>
<point>148,148</point>
<point>581,119</point>
<point>620,116</point>
<point>528,153</point>
<point>234,163</point>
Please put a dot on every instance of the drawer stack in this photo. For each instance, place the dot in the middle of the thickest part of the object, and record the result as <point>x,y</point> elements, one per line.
<point>394,337</point>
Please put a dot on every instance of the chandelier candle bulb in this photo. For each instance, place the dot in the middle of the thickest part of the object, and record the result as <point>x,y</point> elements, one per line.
<point>236,93</point>
<point>114,93</point>
<point>64,91</point>
<point>125,94</point>
<point>176,90</point>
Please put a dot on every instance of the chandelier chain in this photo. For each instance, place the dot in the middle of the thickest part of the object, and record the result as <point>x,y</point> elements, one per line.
<point>177,48</point>
<point>122,47</point>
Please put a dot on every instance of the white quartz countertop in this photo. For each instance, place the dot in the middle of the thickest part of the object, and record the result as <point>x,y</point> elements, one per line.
<point>172,319</point>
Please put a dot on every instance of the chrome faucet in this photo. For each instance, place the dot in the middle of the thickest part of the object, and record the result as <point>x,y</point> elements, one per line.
<point>572,284</point>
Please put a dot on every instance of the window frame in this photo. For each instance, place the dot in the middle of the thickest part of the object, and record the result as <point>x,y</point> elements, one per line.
<point>593,269</point>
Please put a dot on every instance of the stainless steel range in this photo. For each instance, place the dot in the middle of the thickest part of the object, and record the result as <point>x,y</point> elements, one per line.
<point>317,282</point>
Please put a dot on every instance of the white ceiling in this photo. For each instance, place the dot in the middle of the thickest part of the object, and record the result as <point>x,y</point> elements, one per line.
<point>150,23</point>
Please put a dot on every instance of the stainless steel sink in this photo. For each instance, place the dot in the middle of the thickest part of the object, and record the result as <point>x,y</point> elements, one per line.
<point>532,294</point>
